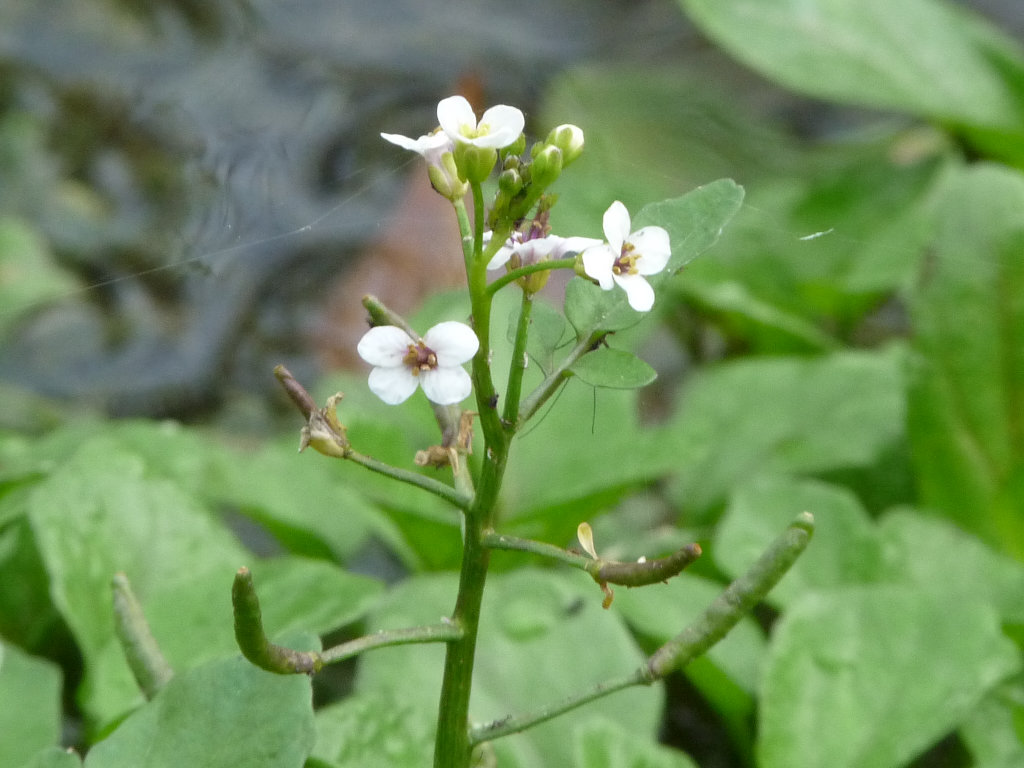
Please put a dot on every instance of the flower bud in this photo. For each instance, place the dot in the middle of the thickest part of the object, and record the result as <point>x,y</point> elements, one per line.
<point>474,163</point>
<point>510,182</point>
<point>547,166</point>
<point>444,177</point>
<point>569,139</point>
<point>516,147</point>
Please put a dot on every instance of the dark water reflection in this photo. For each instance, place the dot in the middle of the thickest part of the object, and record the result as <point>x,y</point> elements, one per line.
<point>203,168</point>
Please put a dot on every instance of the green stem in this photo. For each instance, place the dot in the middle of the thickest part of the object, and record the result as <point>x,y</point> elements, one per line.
<point>452,748</point>
<point>446,492</point>
<point>506,726</point>
<point>736,601</point>
<point>432,633</point>
<point>721,616</point>
<point>557,377</point>
<point>519,362</point>
<point>495,540</point>
<point>529,269</point>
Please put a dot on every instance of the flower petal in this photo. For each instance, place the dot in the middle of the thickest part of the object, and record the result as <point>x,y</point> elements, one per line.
<point>638,291</point>
<point>654,247</point>
<point>453,113</point>
<point>392,385</point>
<point>501,257</point>
<point>573,245</point>
<point>598,262</point>
<point>454,343</point>
<point>446,386</point>
<point>616,225</point>
<point>384,345</point>
<point>424,145</point>
<point>503,124</point>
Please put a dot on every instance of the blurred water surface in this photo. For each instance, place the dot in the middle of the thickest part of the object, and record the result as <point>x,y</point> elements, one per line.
<point>203,169</point>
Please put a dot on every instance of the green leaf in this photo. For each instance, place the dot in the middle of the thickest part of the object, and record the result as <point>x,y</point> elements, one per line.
<point>779,415</point>
<point>918,56</point>
<point>933,554</point>
<point>225,713</point>
<point>993,733</point>
<point>967,391</point>
<point>613,368</point>
<point>590,309</point>
<point>54,757</point>
<point>845,550</point>
<point>543,636</point>
<point>547,330</point>
<point>28,275</point>
<point>30,705</point>
<point>375,729</point>
<point>727,675</point>
<point>604,743</point>
<point>100,513</point>
<point>874,675</point>
<point>694,221</point>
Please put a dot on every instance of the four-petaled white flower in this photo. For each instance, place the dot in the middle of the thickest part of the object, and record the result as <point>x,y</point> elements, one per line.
<point>532,250</point>
<point>498,127</point>
<point>626,258</point>
<point>434,362</point>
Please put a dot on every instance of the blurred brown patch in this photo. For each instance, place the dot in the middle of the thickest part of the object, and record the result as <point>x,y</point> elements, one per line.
<point>419,253</point>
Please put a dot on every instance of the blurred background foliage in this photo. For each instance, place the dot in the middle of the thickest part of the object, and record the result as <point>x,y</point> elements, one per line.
<point>184,185</point>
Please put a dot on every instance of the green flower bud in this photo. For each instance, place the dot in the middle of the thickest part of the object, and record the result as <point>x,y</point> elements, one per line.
<point>474,163</point>
<point>547,166</point>
<point>569,139</point>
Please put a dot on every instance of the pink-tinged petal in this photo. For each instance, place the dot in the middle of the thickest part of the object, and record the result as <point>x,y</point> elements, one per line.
<point>446,386</point>
<point>454,343</point>
<point>654,248</point>
<point>392,385</point>
<point>598,262</point>
<point>573,245</point>
<point>453,113</point>
<point>616,225</point>
<point>384,345</point>
<point>638,291</point>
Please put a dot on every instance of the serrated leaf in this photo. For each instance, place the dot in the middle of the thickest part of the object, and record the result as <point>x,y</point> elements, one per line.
<point>613,368</point>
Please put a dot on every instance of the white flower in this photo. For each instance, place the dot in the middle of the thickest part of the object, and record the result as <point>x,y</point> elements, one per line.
<point>531,251</point>
<point>626,258</point>
<point>431,146</point>
<point>499,126</point>
<point>435,362</point>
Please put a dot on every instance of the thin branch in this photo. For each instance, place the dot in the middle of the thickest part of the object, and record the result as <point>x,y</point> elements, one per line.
<point>720,617</point>
<point>432,633</point>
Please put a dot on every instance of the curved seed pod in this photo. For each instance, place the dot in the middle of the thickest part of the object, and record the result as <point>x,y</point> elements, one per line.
<point>253,641</point>
<point>647,572</point>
